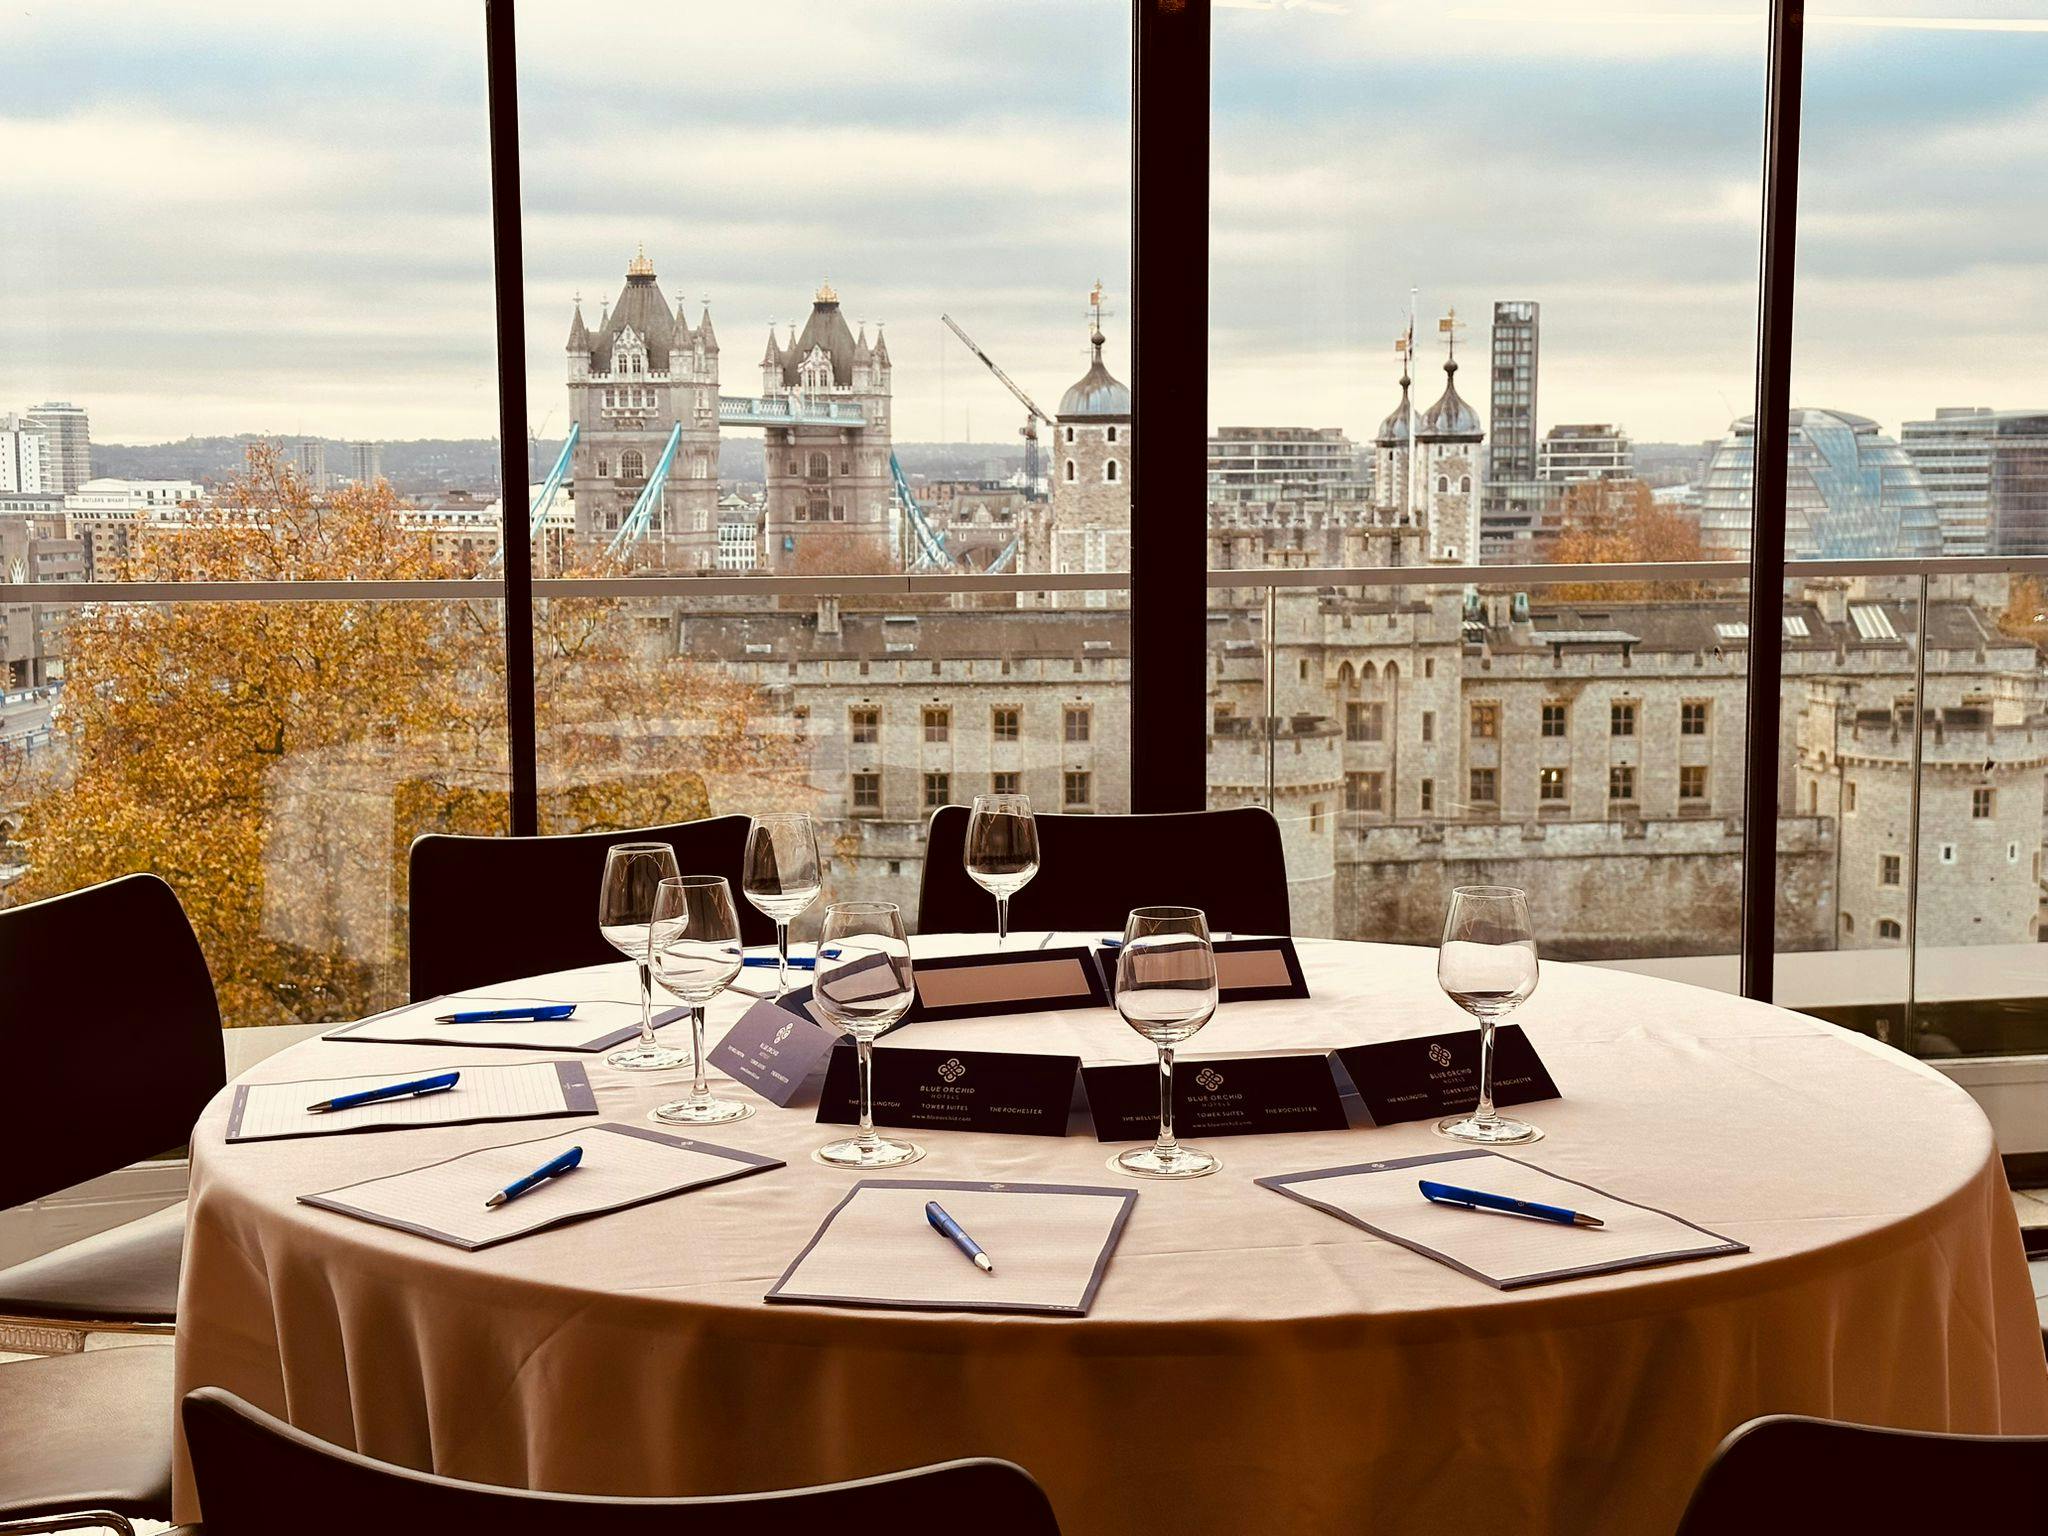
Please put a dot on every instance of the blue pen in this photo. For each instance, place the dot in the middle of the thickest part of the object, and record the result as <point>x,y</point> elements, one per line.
<point>948,1228</point>
<point>796,962</point>
<point>437,1084</point>
<point>1479,1200</point>
<point>540,1175</point>
<point>538,1013</point>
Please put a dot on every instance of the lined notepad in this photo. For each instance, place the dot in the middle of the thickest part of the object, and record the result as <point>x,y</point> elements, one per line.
<point>537,1090</point>
<point>596,1025</point>
<point>1049,1243</point>
<point>1505,1251</point>
<point>623,1166</point>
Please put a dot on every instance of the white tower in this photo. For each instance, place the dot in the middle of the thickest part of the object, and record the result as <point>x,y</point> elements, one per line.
<point>1447,438</point>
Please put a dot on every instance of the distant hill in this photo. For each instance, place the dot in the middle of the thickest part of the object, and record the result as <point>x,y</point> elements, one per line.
<point>434,466</point>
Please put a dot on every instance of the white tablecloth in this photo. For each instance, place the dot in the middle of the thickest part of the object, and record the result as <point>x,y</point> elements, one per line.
<point>1250,1364</point>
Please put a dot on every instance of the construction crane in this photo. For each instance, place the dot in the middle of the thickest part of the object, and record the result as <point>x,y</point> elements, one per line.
<point>1029,431</point>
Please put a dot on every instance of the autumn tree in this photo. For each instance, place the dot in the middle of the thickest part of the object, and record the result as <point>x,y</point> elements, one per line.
<point>1617,522</point>
<point>273,760</point>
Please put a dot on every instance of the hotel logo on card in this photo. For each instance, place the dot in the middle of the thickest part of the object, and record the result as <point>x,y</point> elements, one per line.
<point>1440,1054</point>
<point>952,1069</point>
<point>1209,1079</point>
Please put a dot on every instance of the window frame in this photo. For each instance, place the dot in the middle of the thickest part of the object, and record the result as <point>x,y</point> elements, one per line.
<point>1170,240</point>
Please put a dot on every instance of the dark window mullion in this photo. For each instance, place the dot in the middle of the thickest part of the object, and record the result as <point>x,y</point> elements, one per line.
<point>1767,505</point>
<point>509,274</point>
<point>1170,405</point>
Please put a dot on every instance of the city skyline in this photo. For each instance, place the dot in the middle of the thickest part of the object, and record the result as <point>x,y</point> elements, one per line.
<point>334,182</point>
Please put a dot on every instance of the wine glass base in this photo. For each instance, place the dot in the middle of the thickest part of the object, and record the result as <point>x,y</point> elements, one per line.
<point>648,1058</point>
<point>1181,1163</point>
<point>1500,1131</point>
<point>882,1154</point>
<point>701,1112</point>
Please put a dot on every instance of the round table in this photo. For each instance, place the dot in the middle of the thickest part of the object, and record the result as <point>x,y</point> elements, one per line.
<point>1250,1363</point>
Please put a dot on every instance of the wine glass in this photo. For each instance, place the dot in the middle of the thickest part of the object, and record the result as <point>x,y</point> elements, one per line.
<point>1487,964</point>
<point>781,876</point>
<point>633,873</point>
<point>1002,851</point>
<point>1166,990</point>
<point>862,986</point>
<point>694,943</point>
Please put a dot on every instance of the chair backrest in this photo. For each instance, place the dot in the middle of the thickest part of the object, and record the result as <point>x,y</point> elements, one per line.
<point>1786,1474</point>
<point>110,1031</point>
<point>544,917</point>
<point>256,1475</point>
<point>1093,869</point>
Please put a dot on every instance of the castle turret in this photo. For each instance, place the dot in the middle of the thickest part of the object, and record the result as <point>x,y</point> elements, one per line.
<point>830,506</point>
<point>1090,513</point>
<point>636,381</point>
<point>1447,438</point>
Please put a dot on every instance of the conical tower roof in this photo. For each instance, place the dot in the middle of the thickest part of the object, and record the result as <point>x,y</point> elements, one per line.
<point>642,307</point>
<point>1393,432</point>
<point>579,333</point>
<point>1450,419</point>
<point>1097,393</point>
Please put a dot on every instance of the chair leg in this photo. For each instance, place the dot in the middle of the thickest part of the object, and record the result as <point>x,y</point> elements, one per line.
<point>82,1520</point>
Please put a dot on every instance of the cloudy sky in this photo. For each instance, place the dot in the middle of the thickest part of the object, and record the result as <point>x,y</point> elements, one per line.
<point>251,217</point>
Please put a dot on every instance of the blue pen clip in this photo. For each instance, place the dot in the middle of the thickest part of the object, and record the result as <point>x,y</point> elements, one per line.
<point>796,962</point>
<point>439,1083</point>
<point>540,1175</point>
<point>535,1013</point>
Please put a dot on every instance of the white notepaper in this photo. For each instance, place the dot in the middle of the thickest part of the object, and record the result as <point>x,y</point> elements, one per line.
<point>1504,1250</point>
<point>623,1165</point>
<point>1049,1245</point>
<point>524,1090</point>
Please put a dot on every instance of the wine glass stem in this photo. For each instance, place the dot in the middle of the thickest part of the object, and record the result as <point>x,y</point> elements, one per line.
<point>1485,1113</point>
<point>1002,920</point>
<point>699,1089</point>
<point>781,958</point>
<point>865,1060</point>
<point>1166,1145</point>
<point>646,1004</point>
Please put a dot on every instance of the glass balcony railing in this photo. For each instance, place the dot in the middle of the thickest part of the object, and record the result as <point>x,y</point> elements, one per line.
<point>1575,730</point>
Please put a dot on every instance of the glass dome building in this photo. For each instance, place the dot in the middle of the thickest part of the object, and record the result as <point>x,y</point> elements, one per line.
<point>1850,492</point>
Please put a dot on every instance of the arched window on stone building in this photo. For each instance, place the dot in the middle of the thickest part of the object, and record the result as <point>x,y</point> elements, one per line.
<point>1443,482</point>
<point>821,467</point>
<point>1465,484</point>
<point>604,465</point>
<point>1070,468</point>
<point>1109,471</point>
<point>632,466</point>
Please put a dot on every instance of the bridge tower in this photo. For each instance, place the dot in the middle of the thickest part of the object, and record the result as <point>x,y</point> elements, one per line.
<point>644,372</point>
<point>829,498</point>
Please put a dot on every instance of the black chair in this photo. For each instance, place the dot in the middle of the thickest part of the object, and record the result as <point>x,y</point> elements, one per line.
<point>111,1068</point>
<point>256,1475</point>
<point>1783,1474</point>
<point>85,1440</point>
<point>1094,869</point>
<point>487,909</point>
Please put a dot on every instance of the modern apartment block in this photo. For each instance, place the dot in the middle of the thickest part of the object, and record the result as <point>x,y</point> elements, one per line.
<point>24,457</point>
<point>1267,464</point>
<point>1512,424</point>
<point>1988,473</point>
<point>70,443</point>
<point>366,462</point>
<point>1586,451</point>
<point>1513,513</point>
